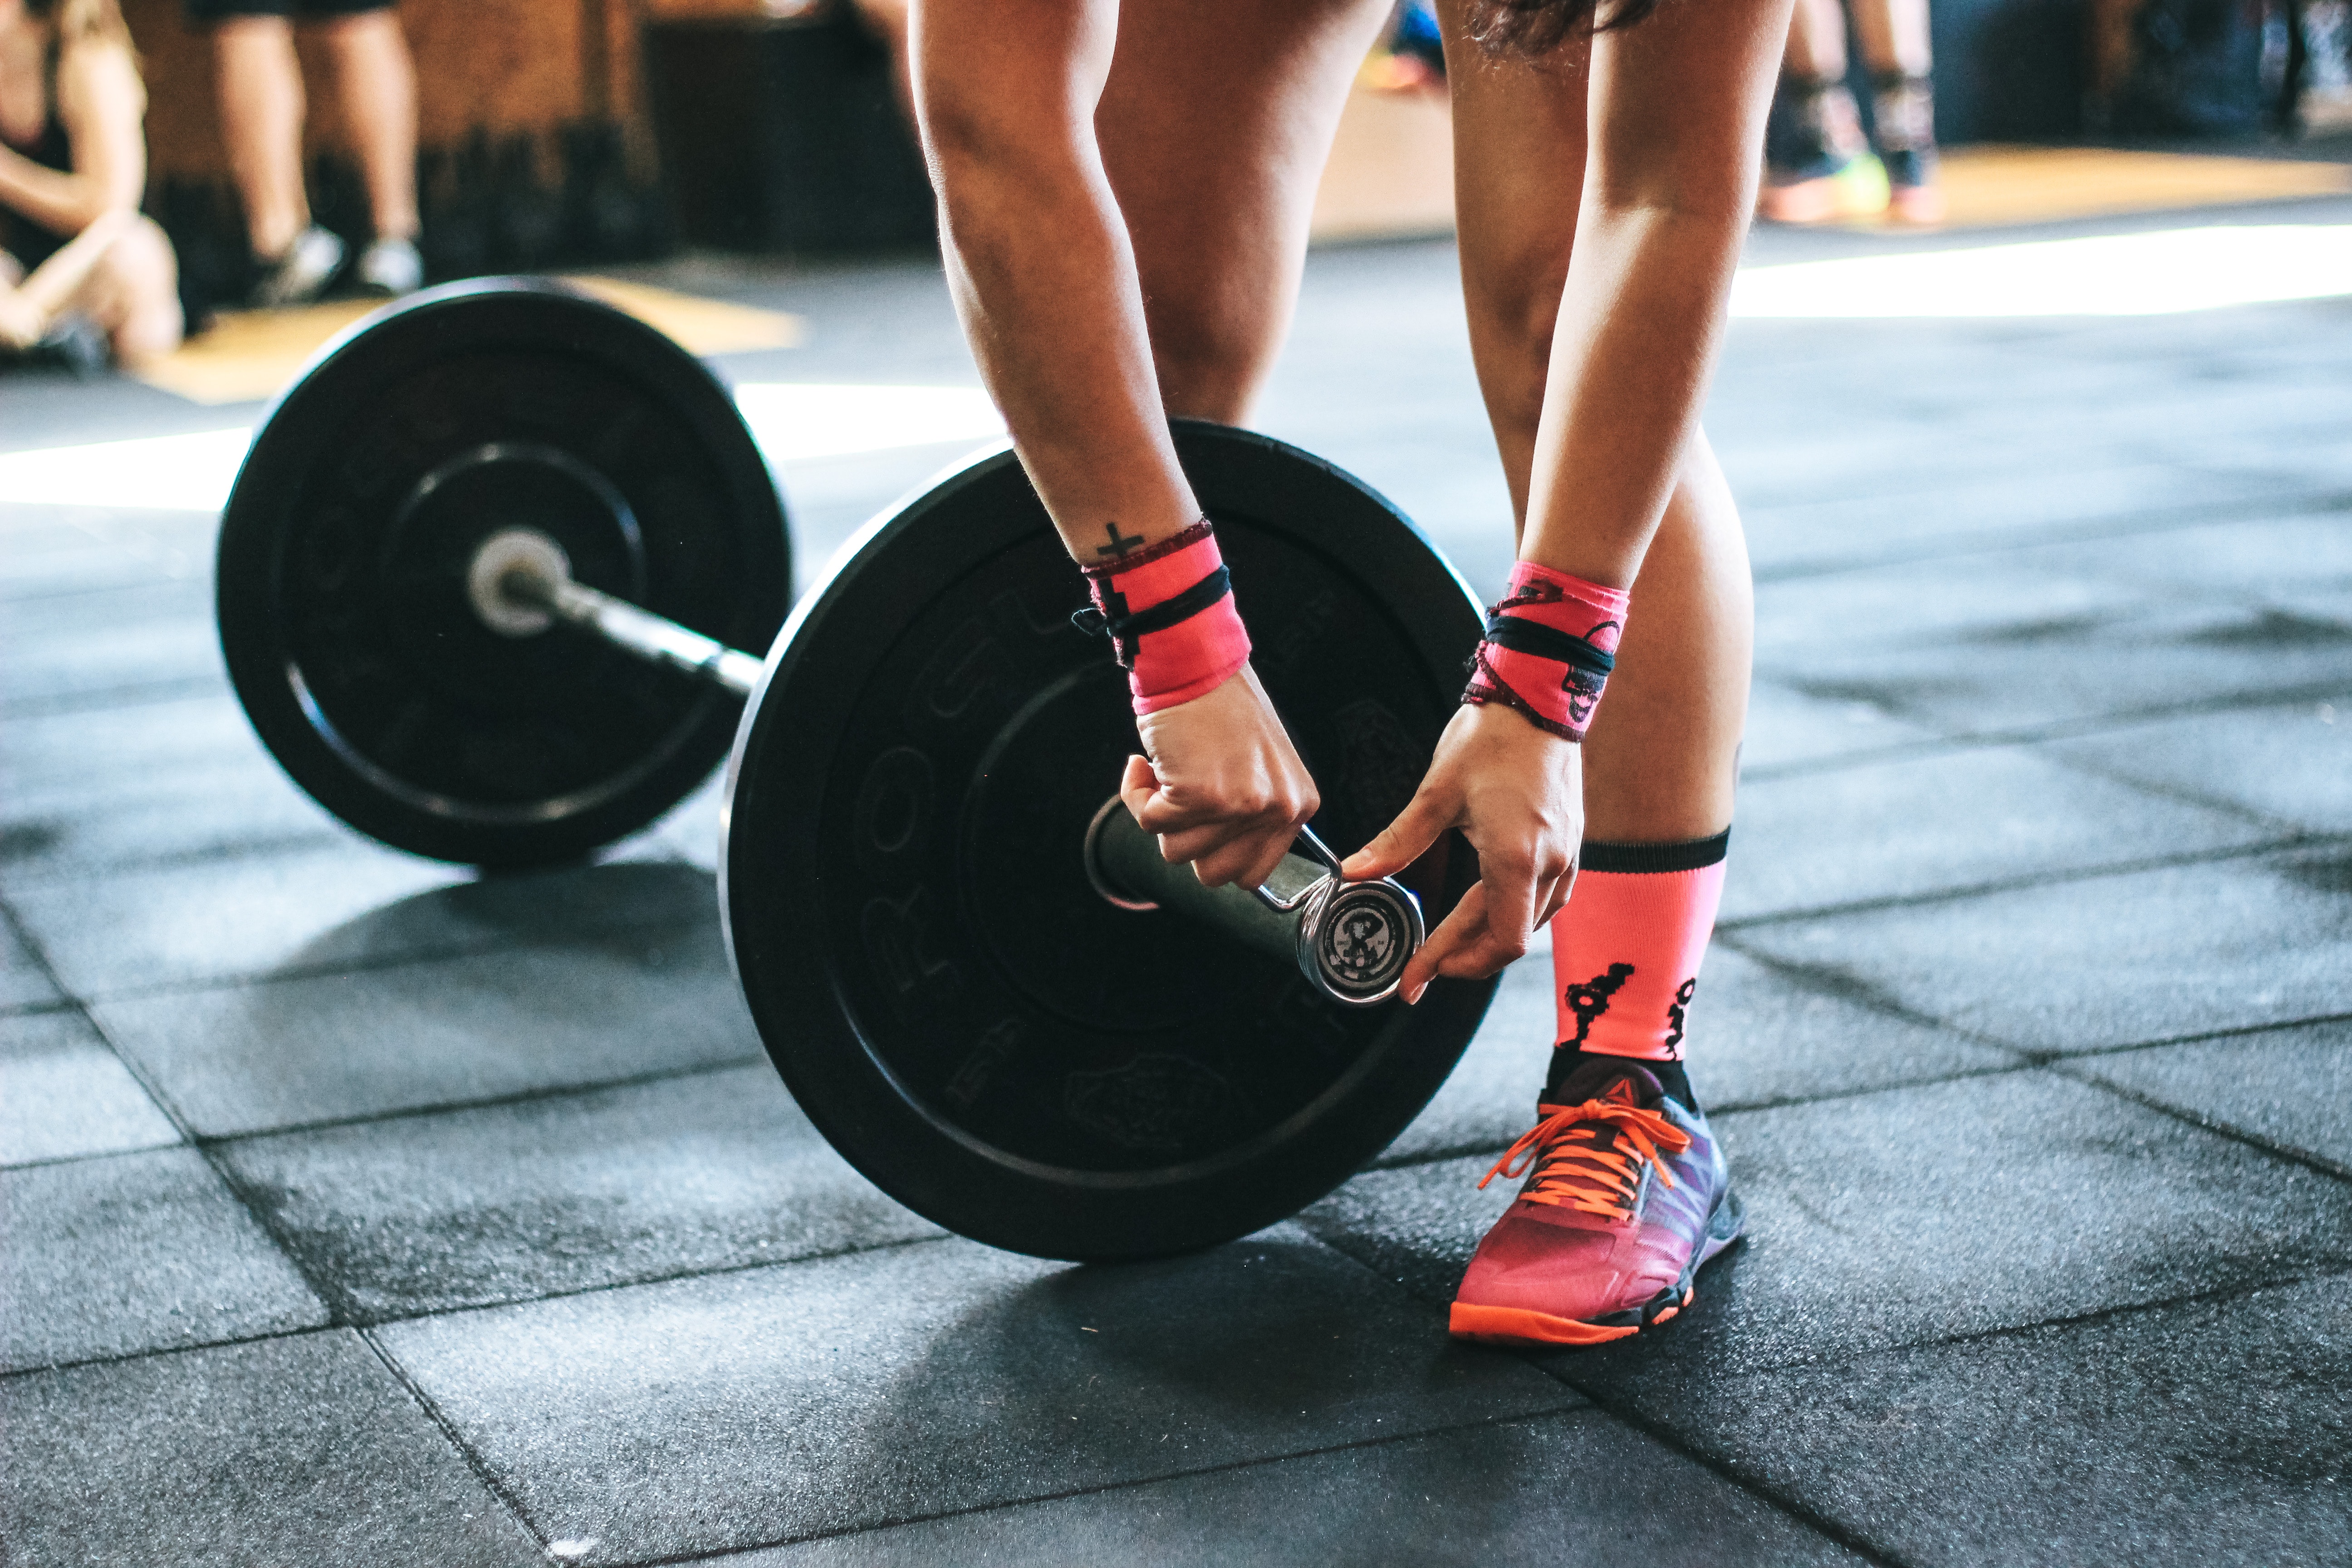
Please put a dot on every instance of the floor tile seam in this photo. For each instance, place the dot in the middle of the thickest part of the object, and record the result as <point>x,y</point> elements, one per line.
<point>1943,740</point>
<point>484,1475</point>
<point>312,1280</point>
<point>156,1352</point>
<point>1777,1499</point>
<point>2181,795</point>
<point>1955,547</point>
<point>2197,1036</point>
<point>53,1160</point>
<point>34,877</point>
<point>681,1276</point>
<point>411,958</point>
<point>2319,1164</point>
<point>1586,1410</point>
<point>2089,1317</point>
<point>576,1091</point>
<point>147,1083</point>
<point>2099,871</point>
<point>1853,990</point>
<point>371,1324</point>
<point>142,694</point>
<point>54,595</point>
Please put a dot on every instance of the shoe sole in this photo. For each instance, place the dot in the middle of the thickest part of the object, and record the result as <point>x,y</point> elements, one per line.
<point>1525,1326</point>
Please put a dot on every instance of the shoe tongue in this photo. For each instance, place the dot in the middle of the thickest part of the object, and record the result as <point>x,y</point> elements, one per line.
<point>1603,1078</point>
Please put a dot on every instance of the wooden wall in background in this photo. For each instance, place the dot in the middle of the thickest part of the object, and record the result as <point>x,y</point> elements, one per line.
<point>499,67</point>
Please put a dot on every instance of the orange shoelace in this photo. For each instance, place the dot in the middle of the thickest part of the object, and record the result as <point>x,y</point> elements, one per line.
<point>1575,1169</point>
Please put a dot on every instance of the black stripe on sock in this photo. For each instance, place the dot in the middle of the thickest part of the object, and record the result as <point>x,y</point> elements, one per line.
<point>1690,854</point>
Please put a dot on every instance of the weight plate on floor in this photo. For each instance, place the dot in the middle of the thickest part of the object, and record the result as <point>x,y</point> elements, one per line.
<point>950,1001</point>
<point>345,551</point>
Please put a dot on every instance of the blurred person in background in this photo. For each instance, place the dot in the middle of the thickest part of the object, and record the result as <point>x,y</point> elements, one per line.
<point>75,257</point>
<point>1818,164</point>
<point>258,81</point>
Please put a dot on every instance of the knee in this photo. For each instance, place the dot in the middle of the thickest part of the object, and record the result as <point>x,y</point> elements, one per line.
<point>1514,314</point>
<point>1207,355</point>
<point>141,275</point>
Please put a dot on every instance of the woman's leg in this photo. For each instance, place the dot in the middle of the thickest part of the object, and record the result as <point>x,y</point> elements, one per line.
<point>1215,127</point>
<point>1662,756</point>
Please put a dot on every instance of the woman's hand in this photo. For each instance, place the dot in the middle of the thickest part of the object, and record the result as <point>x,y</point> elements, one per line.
<point>1222,786</point>
<point>1518,795</point>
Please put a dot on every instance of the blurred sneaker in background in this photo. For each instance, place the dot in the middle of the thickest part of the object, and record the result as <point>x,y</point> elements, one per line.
<point>391,267</point>
<point>1903,111</point>
<point>302,274</point>
<point>1817,167</point>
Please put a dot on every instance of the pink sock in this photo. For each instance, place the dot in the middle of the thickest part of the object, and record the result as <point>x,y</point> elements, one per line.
<point>1625,951</point>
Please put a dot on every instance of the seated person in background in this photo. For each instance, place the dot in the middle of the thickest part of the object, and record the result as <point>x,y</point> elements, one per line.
<point>73,163</point>
<point>259,84</point>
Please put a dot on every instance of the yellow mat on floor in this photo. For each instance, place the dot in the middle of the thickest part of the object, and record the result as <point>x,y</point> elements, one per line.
<point>249,355</point>
<point>1992,187</point>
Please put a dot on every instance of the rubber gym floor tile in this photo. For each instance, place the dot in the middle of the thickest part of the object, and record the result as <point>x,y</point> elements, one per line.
<point>1983,595</point>
<point>24,981</point>
<point>63,1094</point>
<point>778,1403</point>
<point>468,1208</point>
<point>2103,960</point>
<point>1789,731</point>
<point>299,1451</point>
<point>2239,558</point>
<point>2291,1087</point>
<point>1757,1038</point>
<point>2069,670</point>
<point>2212,1432</point>
<point>135,1252</point>
<point>104,648</point>
<point>2290,761</point>
<point>100,790</point>
<point>1911,1215</point>
<point>1578,1488</point>
<point>346,905</point>
<point>49,551</point>
<point>1980,508</point>
<point>254,1059</point>
<point>1907,827</point>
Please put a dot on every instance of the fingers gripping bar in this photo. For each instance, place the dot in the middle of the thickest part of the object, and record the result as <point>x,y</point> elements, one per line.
<point>1350,940</point>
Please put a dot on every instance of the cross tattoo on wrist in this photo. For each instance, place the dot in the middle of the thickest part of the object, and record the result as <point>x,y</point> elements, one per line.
<point>1118,549</point>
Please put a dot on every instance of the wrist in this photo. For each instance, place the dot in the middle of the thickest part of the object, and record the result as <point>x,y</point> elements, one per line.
<point>1167,609</point>
<point>1550,645</point>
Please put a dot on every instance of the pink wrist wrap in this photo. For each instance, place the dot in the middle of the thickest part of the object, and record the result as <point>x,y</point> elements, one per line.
<point>1549,646</point>
<point>1169,612</point>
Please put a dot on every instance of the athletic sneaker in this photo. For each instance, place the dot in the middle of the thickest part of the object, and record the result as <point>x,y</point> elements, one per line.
<point>390,266</point>
<point>302,274</point>
<point>1817,165</point>
<point>1626,1196</point>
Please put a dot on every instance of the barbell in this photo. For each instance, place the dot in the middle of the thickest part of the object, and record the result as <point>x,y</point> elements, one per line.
<point>487,583</point>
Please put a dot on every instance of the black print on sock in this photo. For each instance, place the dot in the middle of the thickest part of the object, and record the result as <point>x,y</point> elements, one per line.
<point>1589,1000</point>
<point>1674,1015</point>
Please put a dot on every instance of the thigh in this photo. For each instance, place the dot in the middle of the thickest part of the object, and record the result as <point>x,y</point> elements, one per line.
<point>1518,181</point>
<point>1215,125</point>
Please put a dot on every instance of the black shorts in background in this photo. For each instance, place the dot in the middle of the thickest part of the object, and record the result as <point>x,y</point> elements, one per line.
<point>203,13</point>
